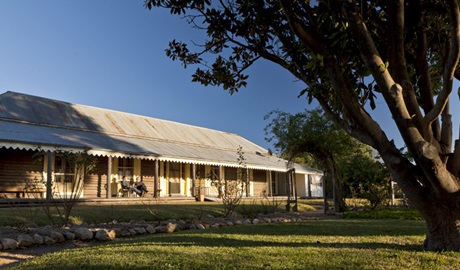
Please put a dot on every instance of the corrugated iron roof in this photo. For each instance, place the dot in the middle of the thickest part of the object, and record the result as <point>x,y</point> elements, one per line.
<point>28,122</point>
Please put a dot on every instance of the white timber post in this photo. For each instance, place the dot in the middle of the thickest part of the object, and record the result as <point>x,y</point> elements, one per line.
<point>109,178</point>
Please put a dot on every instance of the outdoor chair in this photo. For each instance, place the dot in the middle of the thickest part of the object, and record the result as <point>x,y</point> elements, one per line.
<point>125,189</point>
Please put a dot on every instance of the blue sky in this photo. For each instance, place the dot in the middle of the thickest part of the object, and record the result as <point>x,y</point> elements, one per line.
<point>110,54</point>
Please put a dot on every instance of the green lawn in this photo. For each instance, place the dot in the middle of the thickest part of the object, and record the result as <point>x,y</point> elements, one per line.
<point>137,210</point>
<point>100,213</point>
<point>327,244</point>
<point>385,239</point>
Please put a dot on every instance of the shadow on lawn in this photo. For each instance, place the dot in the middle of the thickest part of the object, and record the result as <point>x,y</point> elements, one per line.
<point>204,241</point>
<point>316,234</point>
<point>338,227</point>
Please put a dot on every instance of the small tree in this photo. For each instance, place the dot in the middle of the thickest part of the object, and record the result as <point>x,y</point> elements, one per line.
<point>364,176</point>
<point>62,200</point>
<point>231,191</point>
<point>312,133</point>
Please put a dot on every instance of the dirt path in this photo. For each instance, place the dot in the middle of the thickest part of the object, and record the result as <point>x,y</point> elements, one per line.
<point>10,258</point>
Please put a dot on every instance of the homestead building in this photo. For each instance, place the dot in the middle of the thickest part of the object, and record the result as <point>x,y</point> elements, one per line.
<point>172,159</point>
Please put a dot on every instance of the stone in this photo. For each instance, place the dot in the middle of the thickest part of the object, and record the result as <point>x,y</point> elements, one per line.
<point>192,227</point>
<point>125,233</point>
<point>57,236</point>
<point>171,227</point>
<point>49,241</point>
<point>150,229</point>
<point>38,239</point>
<point>229,223</point>
<point>104,235</point>
<point>45,231</point>
<point>101,235</point>
<point>112,234</point>
<point>117,232</point>
<point>9,244</point>
<point>255,221</point>
<point>83,233</point>
<point>132,231</point>
<point>155,223</point>
<point>246,222</point>
<point>140,230</point>
<point>25,240</point>
<point>238,222</point>
<point>200,226</point>
<point>160,228</point>
<point>69,236</point>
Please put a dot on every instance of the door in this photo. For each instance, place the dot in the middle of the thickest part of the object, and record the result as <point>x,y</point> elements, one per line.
<point>174,178</point>
<point>64,177</point>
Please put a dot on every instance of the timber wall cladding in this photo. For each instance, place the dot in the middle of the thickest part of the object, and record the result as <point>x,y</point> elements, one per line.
<point>16,166</point>
<point>259,178</point>
<point>96,179</point>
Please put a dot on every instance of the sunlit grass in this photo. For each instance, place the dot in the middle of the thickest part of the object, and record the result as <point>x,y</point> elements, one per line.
<point>391,213</point>
<point>326,244</point>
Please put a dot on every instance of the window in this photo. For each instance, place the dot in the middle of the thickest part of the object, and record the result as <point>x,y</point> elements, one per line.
<point>231,173</point>
<point>64,176</point>
<point>214,174</point>
<point>63,171</point>
<point>126,167</point>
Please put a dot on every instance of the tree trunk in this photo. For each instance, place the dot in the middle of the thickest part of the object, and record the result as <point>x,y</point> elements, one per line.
<point>440,211</point>
<point>339,201</point>
<point>443,227</point>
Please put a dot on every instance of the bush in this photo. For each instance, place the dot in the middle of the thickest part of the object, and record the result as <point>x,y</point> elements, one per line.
<point>251,210</point>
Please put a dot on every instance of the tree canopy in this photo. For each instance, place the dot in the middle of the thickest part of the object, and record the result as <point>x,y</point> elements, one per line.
<point>347,53</point>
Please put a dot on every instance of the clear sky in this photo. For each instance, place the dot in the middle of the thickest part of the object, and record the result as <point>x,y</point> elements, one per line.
<point>110,54</point>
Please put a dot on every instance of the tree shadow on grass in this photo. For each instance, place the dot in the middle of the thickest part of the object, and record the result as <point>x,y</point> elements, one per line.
<point>315,234</point>
<point>310,237</point>
<point>203,241</point>
<point>338,227</point>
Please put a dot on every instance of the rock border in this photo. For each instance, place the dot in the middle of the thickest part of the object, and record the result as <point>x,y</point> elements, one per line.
<point>32,236</point>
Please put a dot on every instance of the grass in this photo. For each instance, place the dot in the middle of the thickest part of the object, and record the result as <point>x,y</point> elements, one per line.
<point>325,244</point>
<point>100,213</point>
<point>383,239</point>
<point>149,211</point>
<point>395,213</point>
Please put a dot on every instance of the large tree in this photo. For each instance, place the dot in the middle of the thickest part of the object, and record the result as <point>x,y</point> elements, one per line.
<point>347,52</point>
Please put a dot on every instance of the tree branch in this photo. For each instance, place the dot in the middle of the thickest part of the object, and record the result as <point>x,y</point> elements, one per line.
<point>451,64</point>
<point>308,36</point>
<point>441,180</point>
<point>423,73</point>
<point>397,60</point>
<point>350,129</point>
